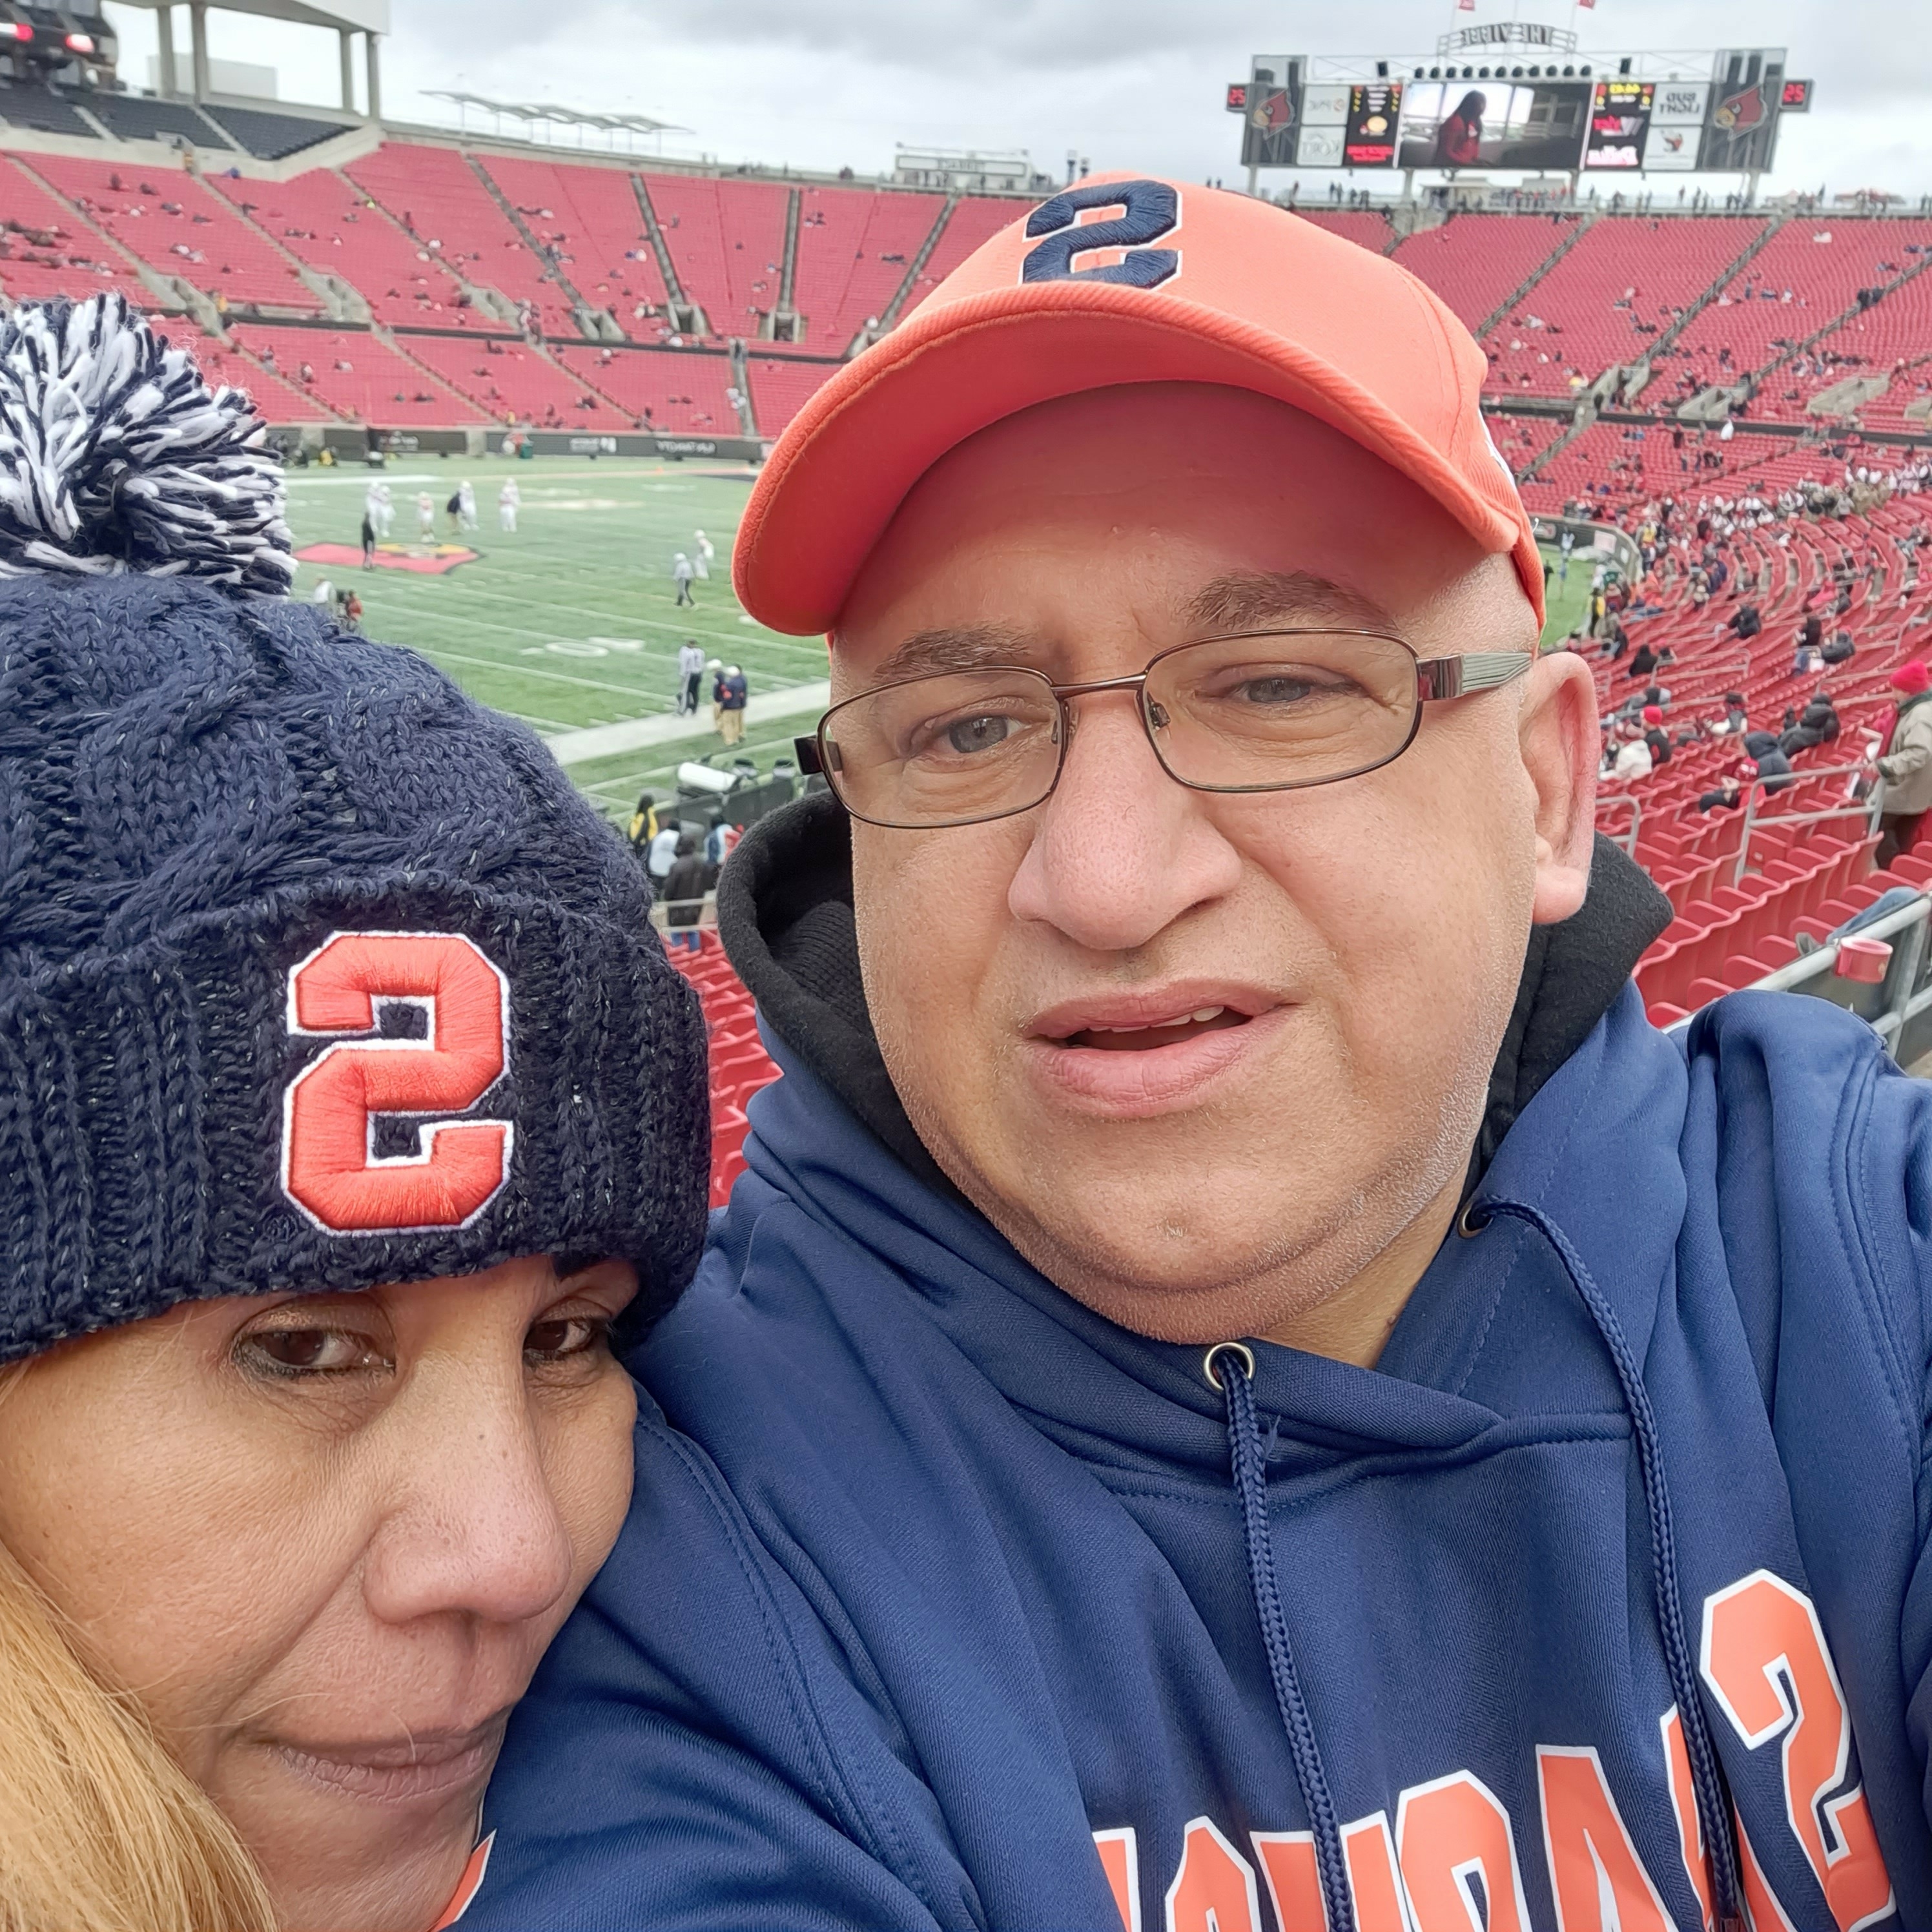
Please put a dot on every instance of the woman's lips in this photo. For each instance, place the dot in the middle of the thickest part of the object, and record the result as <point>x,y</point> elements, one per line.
<point>1139,1072</point>
<point>428,1767</point>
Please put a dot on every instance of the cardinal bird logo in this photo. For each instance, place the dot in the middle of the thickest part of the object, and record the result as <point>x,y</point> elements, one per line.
<point>1741,111</point>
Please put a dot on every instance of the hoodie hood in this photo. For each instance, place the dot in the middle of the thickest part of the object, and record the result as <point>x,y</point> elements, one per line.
<point>785,913</point>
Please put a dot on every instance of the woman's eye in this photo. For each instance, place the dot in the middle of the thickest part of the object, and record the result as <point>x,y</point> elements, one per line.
<point>573,1335</point>
<point>289,1352</point>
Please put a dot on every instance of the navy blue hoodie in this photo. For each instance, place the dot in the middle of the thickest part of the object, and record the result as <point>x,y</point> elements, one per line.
<point>947,1602</point>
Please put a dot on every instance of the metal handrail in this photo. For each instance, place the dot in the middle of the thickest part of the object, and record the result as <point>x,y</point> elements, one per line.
<point>1628,840</point>
<point>1910,924</point>
<point>1867,809</point>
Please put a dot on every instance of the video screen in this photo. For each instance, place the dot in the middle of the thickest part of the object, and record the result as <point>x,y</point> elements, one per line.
<point>1619,124</point>
<point>1494,124</point>
<point>1374,113</point>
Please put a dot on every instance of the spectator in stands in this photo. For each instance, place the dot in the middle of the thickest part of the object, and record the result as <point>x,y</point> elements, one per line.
<point>1628,755</point>
<point>663,853</point>
<point>643,826</point>
<point>681,572</point>
<point>1906,764</point>
<point>691,876</point>
<point>1746,621</point>
<point>1816,724</point>
<point>1772,764</point>
<point>1734,723</point>
<point>1655,736</point>
<point>1643,662</point>
<point>733,695</point>
<point>1728,793</point>
<point>1841,650</point>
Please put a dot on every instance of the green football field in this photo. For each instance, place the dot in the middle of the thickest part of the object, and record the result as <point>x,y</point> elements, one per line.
<point>571,624</point>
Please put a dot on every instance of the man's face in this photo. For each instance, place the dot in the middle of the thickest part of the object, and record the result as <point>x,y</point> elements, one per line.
<point>1355,948</point>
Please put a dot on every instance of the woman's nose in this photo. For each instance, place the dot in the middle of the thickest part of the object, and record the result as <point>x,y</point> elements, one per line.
<point>476,1527</point>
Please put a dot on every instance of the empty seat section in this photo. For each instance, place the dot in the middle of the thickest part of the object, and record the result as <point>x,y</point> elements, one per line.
<point>436,195</point>
<point>358,376</point>
<point>591,215</point>
<point>727,240</point>
<point>41,107</point>
<point>854,249</point>
<point>274,137</point>
<point>514,382</point>
<point>324,219</point>
<point>1367,229</point>
<point>277,401</point>
<point>780,388</point>
<point>1890,340</point>
<point>1628,279</point>
<point>136,117</point>
<point>47,250</point>
<point>976,219</point>
<point>1476,262</point>
<point>174,223</point>
<point>680,390</point>
<point>1808,274</point>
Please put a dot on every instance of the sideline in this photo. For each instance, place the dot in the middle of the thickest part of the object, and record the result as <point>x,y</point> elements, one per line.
<point>604,741</point>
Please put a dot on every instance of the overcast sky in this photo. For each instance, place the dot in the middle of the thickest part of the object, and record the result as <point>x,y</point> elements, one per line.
<point>1124,83</point>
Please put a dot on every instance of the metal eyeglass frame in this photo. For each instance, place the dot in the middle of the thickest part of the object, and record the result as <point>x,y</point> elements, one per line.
<point>1437,679</point>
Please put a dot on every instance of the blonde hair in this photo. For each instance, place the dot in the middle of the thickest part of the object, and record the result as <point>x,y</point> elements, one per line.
<point>100,1830</point>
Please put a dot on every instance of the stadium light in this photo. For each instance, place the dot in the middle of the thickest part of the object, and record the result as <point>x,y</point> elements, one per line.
<point>80,43</point>
<point>15,30</point>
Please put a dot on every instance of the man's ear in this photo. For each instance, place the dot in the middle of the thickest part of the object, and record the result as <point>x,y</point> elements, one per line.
<point>1558,733</point>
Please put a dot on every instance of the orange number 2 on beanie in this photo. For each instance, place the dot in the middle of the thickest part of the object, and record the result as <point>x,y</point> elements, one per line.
<point>331,1169</point>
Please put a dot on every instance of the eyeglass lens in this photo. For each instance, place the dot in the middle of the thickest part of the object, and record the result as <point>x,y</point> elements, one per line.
<point>1264,712</point>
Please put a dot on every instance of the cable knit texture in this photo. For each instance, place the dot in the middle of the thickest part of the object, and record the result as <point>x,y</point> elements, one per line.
<point>198,787</point>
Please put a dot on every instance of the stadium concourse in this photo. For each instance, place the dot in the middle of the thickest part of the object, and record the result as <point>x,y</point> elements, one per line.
<point>1767,374</point>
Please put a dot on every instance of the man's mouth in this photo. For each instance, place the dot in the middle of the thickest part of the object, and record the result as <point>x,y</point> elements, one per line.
<point>1142,1038</point>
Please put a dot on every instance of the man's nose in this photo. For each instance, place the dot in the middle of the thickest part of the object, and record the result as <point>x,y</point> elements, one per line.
<point>1120,851</point>
<point>475,1528</point>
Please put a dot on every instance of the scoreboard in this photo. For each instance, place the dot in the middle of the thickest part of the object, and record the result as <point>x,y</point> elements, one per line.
<point>1549,116</point>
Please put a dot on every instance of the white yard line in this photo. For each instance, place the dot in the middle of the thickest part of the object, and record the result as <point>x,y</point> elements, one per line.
<point>605,741</point>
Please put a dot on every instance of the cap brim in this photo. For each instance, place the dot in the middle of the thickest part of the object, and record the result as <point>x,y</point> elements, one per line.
<point>848,459</point>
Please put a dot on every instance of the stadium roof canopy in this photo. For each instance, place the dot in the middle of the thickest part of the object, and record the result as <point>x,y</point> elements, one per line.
<point>354,16</point>
<point>531,112</point>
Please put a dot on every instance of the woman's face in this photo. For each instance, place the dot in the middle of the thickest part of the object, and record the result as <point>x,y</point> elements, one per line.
<point>325,1539</point>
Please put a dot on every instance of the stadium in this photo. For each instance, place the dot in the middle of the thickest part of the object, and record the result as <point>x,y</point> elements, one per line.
<point>950,1046</point>
<point>1678,373</point>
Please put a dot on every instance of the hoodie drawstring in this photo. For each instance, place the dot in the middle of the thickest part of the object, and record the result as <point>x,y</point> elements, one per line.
<point>1230,1366</point>
<point>1248,1455</point>
<point>1714,1811</point>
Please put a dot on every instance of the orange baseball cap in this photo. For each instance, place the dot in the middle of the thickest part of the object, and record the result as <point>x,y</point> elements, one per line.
<point>1127,278</point>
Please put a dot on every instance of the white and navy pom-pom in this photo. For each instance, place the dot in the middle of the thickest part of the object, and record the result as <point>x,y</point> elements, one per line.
<point>115,456</point>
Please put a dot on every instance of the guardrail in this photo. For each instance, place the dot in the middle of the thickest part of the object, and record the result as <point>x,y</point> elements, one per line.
<point>1627,839</point>
<point>1900,998</point>
<point>1867,808</point>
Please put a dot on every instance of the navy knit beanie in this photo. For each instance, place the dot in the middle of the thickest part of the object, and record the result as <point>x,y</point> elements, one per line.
<point>314,973</point>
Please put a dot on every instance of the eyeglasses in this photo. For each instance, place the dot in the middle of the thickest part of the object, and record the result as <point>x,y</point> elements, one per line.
<point>1261,711</point>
